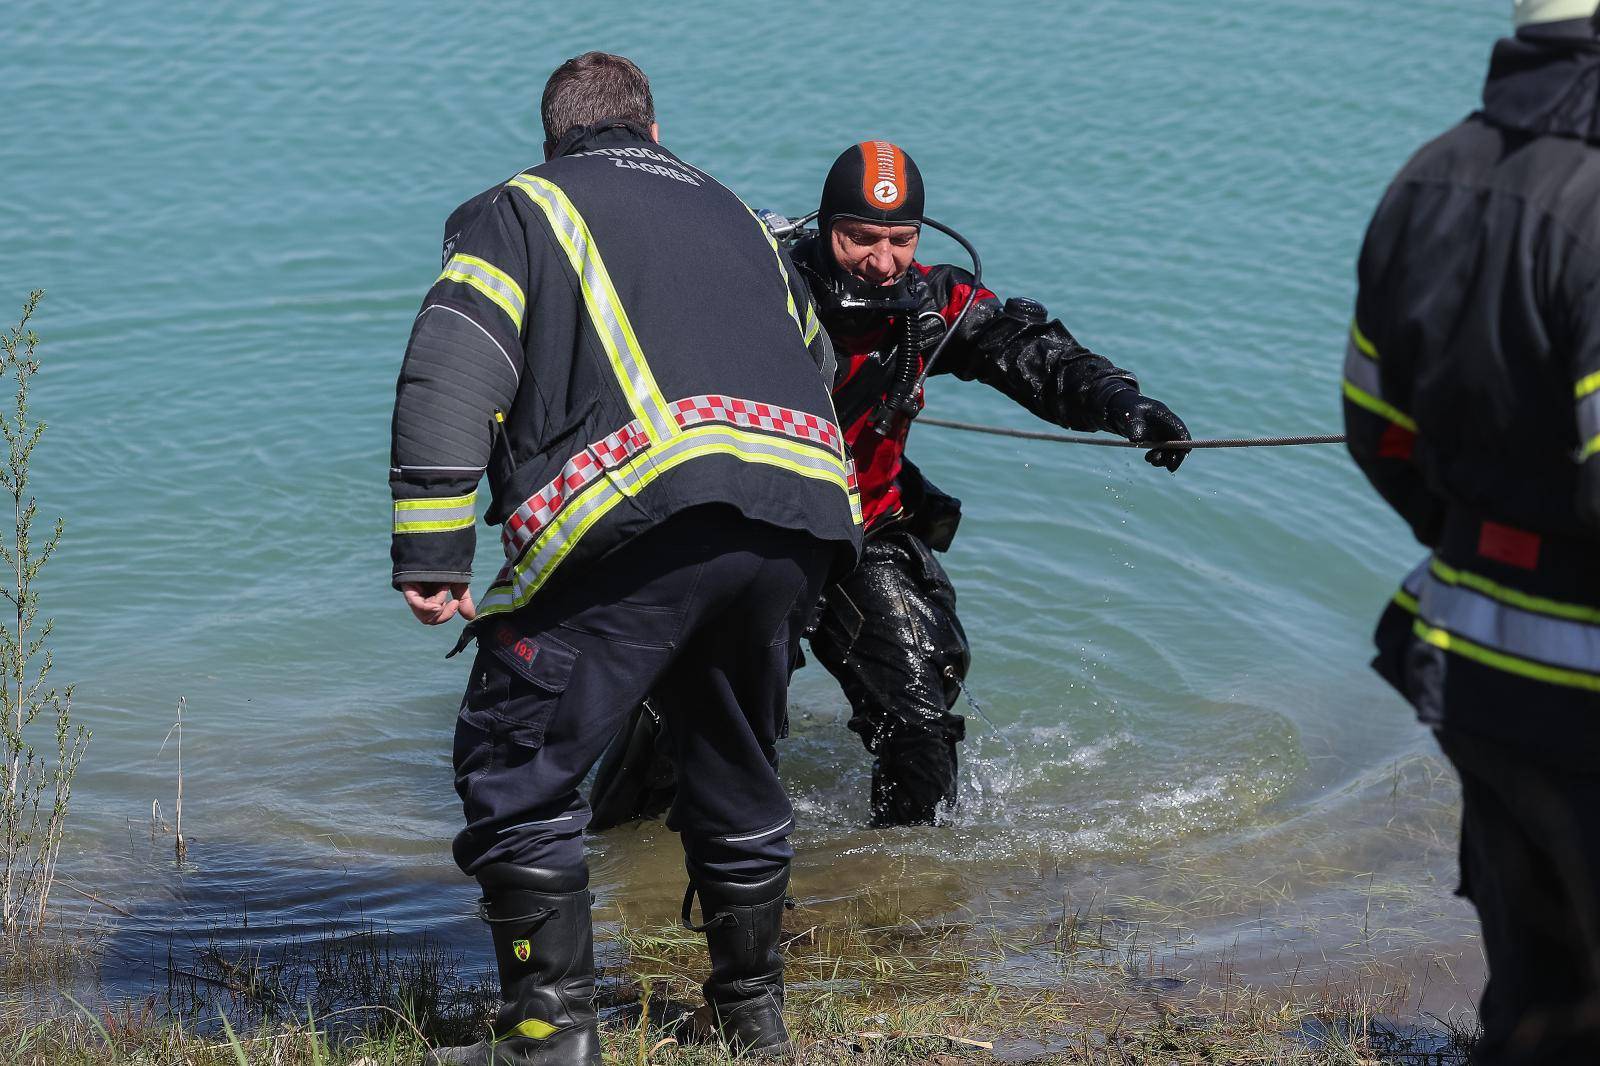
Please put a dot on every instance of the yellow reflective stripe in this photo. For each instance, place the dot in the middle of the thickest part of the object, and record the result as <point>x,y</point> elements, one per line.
<point>597,500</point>
<point>1496,660</point>
<point>812,325</point>
<point>534,1028</point>
<point>1407,602</point>
<point>783,274</point>
<point>491,281</point>
<point>1537,604</point>
<point>1590,447</point>
<point>1379,407</point>
<point>611,322</point>
<point>1588,384</point>
<point>439,515</point>
<point>1363,345</point>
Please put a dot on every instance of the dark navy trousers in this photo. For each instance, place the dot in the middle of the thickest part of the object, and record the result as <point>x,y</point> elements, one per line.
<point>703,613</point>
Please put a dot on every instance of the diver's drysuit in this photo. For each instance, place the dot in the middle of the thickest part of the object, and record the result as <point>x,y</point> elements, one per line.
<point>889,632</point>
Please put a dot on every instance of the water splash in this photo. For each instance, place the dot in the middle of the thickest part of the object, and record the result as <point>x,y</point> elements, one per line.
<point>995,780</point>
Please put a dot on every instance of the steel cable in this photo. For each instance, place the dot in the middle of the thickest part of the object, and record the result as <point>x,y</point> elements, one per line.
<point>1116,442</point>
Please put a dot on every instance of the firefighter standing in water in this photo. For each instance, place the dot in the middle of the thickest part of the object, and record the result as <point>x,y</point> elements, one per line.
<point>626,353</point>
<point>1472,401</point>
<point>889,632</point>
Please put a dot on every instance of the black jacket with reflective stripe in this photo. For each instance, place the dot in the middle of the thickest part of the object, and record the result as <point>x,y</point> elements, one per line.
<point>1472,401</point>
<point>1477,317</point>
<point>614,338</point>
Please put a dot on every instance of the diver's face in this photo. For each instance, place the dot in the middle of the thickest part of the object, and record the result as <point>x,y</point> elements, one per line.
<point>875,253</point>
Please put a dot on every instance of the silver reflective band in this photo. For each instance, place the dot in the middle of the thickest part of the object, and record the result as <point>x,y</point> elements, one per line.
<point>1362,371</point>
<point>474,272</point>
<point>435,516</point>
<point>1589,417</point>
<point>1504,628</point>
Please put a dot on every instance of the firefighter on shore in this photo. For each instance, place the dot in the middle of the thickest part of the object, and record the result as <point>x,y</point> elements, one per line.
<point>889,632</point>
<point>1472,401</point>
<point>626,353</point>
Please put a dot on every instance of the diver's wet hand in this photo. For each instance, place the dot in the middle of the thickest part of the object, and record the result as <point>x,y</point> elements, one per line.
<point>1143,420</point>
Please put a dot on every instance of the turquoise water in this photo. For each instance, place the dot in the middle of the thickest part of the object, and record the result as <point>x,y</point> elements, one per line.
<point>235,211</point>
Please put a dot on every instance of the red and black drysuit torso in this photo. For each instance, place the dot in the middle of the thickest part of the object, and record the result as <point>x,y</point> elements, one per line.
<point>890,633</point>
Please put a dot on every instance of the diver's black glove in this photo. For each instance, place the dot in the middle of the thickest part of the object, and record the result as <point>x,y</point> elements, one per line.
<point>1142,420</point>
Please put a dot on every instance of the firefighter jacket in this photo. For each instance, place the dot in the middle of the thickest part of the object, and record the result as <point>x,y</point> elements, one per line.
<point>1472,401</point>
<point>614,338</point>
<point>1029,357</point>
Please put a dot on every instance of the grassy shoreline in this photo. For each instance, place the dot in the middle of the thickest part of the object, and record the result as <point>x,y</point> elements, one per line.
<point>865,986</point>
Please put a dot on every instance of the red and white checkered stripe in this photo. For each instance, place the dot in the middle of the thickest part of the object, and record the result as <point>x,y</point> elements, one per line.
<point>536,512</point>
<point>749,413</point>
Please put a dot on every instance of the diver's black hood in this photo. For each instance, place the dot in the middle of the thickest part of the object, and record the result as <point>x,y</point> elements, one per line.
<point>1546,80</point>
<point>874,181</point>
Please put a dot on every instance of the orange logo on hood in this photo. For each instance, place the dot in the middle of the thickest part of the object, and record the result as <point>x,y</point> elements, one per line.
<point>883,183</point>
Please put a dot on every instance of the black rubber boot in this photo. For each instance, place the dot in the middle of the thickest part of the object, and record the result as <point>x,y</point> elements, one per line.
<point>744,998</point>
<point>544,944</point>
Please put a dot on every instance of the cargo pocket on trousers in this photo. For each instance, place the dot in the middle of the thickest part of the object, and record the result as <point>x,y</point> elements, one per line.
<point>518,685</point>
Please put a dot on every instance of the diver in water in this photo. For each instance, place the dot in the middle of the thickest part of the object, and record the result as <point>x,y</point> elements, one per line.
<point>889,632</point>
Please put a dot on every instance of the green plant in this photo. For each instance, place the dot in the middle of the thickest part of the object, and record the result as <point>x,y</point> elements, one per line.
<point>35,781</point>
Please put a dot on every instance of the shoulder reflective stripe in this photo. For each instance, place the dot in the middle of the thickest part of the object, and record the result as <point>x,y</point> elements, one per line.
<point>1359,339</point>
<point>605,308</point>
<point>812,325</point>
<point>1506,630</point>
<point>582,511</point>
<point>1510,664</point>
<point>534,1029</point>
<point>1406,602</point>
<point>435,515</point>
<point>1589,449</point>
<point>783,273</point>
<point>489,280</point>
<point>1575,612</point>
<point>1378,407</point>
<point>1587,385</point>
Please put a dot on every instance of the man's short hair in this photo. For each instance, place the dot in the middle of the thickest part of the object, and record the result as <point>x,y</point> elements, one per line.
<point>595,86</point>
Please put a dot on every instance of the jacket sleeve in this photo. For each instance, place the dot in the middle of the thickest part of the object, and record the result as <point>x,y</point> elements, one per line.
<point>1585,372</point>
<point>1038,364</point>
<point>1381,431</point>
<point>460,373</point>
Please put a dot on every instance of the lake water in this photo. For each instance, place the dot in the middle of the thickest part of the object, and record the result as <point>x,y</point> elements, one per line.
<point>235,210</point>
